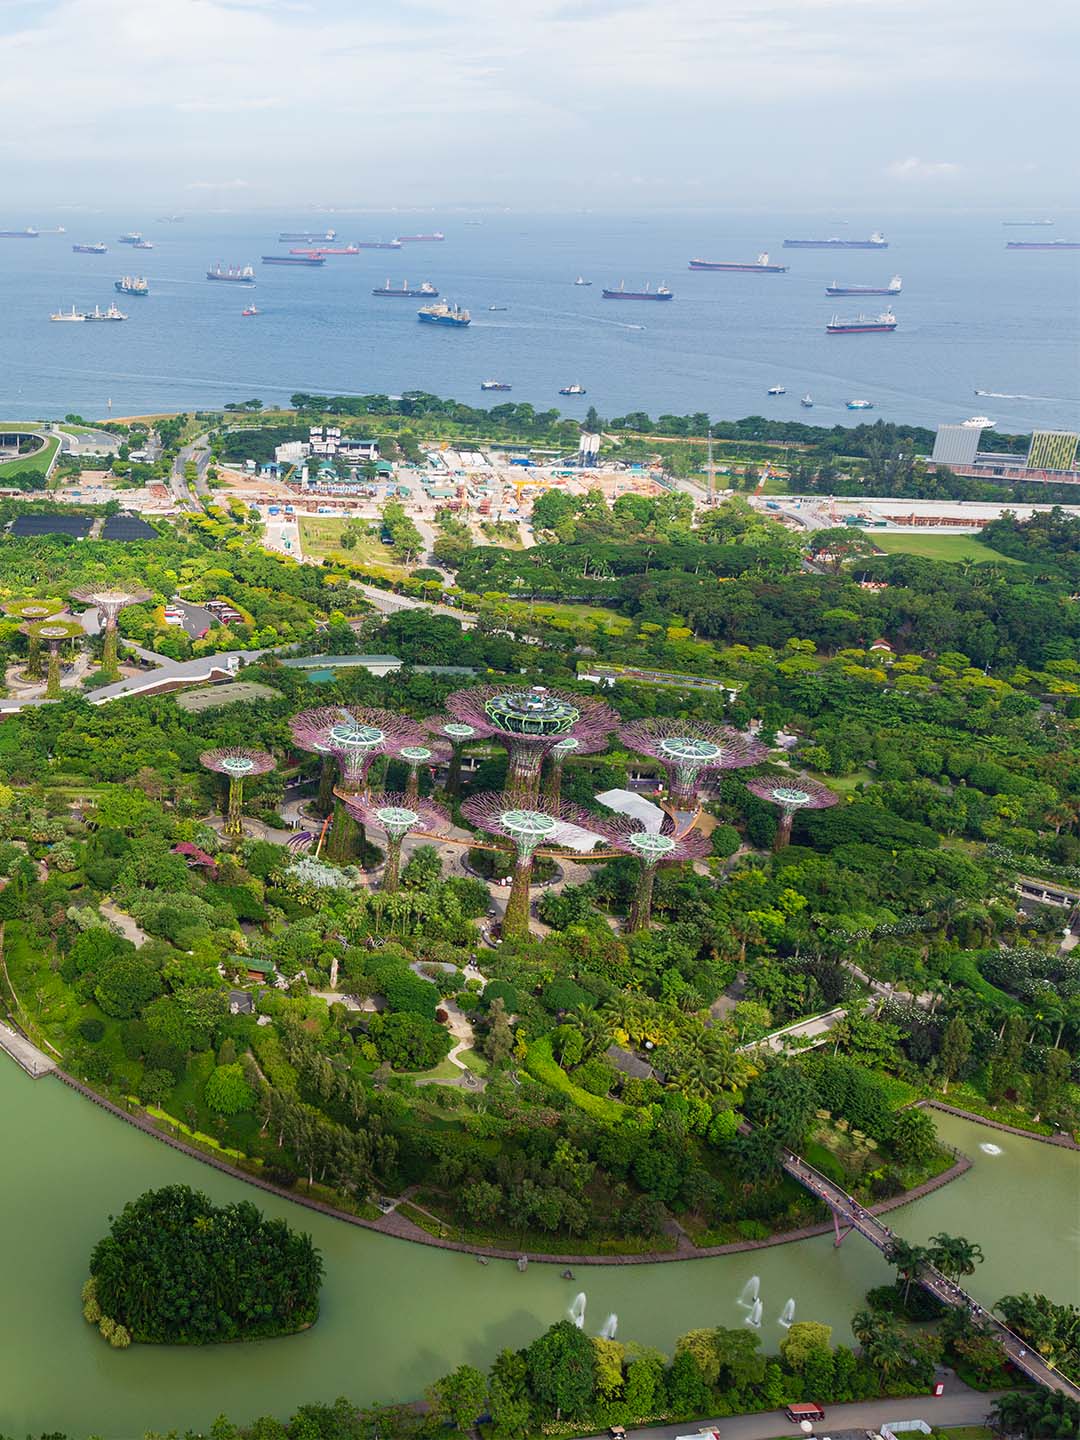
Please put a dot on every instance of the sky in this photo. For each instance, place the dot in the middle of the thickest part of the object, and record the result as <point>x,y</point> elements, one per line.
<point>542,104</point>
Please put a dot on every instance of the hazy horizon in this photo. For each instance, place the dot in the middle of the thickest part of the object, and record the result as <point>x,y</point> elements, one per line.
<point>236,106</point>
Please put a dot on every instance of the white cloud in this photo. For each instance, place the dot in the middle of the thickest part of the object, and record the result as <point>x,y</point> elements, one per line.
<point>915,169</point>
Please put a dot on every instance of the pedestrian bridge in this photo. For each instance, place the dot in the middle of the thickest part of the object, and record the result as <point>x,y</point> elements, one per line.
<point>849,1215</point>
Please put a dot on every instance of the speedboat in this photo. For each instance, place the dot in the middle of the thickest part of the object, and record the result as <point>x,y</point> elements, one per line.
<point>860,404</point>
<point>807,402</point>
<point>574,389</point>
<point>777,390</point>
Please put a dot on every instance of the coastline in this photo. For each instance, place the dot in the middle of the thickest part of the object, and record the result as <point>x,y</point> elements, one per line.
<point>399,1228</point>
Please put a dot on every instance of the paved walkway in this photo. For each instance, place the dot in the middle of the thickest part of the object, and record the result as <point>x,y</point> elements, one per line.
<point>25,1054</point>
<point>958,1406</point>
<point>128,927</point>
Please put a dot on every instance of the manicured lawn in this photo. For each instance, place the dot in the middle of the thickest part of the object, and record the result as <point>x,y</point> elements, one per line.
<point>565,614</point>
<point>939,547</point>
<point>320,537</point>
<point>38,462</point>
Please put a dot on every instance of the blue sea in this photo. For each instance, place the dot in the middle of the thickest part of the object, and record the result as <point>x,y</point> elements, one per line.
<point>972,316</point>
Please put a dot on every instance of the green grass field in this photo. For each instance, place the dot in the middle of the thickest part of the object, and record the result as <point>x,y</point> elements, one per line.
<point>953,548</point>
<point>39,461</point>
<point>320,536</point>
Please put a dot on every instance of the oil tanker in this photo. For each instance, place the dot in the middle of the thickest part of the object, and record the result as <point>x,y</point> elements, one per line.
<point>379,245</point>
<point>435,235</point>
<point>309,235</point>
<point>293,260</point>
<point>761,265</point>
<point>876,241</point>
<point>426,291</point>
<point>98,248</point>
<point>1042,244</point>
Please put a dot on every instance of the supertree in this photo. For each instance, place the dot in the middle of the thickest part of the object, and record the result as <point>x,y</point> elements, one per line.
<point>353,735</point>
<point>396,815</point>
<point>238,764</point>
<point>689,749</point>
<point>415,756</point>
<point>51,633</point>
<point>652,849</point>
<point>544,824</point>
<point>29,610</point>
<point>562,749</point>
<point>108,604</point>
<point>529,723</point>
<point>457,734</point>
<point>801,793</point>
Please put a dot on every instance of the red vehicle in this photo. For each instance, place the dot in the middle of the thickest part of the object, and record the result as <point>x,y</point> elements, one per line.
<point>797,1413</point>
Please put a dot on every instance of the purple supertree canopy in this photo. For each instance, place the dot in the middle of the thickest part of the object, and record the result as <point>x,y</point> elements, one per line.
<point>651,847</point>
<point>544,823</point>
<point>450,728</point>
<point>353,734</point>
<point>237,762</point>
<point>398,814</point>
<point>691,748</point>
<point>109,600</point>
<point>799,792</point>
<point>536,716</point>
<point>423,750</point>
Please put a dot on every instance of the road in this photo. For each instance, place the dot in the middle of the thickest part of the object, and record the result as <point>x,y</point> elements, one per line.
<point>198,454</point>
<point>958,1406</point>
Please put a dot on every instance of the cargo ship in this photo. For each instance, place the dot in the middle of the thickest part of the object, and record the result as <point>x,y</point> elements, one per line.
<point>308,260</point>
<point>894,287</point>
<point>761,265</point>
<point>27,234</point>
<point>435,235</point>
<point>132,285</point>
<point>110,313</point>
<point>495,385</point>
<point>1025,224</point>
<point>327,250</point>
<point>1042,244</point>
<point>876,241</point>
<point>99,249</point>
<point>142,244</point>
<point>306,235</point>
<point>131,238</point>
<point>660,293</point>
<point>426,291</point>
<point>68,315</point>
<point>862,324</point>
<point>379,245</point>
<point>232,274</point>
<point>444,314</point>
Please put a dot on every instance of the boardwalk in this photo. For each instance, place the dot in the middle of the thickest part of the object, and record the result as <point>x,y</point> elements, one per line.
<point>34,1061</point>
<point>849,1213</point>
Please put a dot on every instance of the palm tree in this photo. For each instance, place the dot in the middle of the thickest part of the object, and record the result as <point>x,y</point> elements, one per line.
<point>908,1259</point>
<point>954,1255</point>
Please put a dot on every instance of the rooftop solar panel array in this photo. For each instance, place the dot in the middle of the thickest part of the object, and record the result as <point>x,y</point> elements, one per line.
<point>49,523</point>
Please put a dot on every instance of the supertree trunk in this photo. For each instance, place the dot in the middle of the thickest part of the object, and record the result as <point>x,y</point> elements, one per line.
<point>641,905</point>
<point>684,788</point>
<point>109,663</point>
<point>554,785</point>
<point>783,830</point>
<point>412,784</point>
<point>453,771</point>
<point>392,870</point>
<point>33,658</point>
<point>341,843</point>
<point>327,775</point>
<point>234,820</point>
<point>52,686</point>
<point>516,918</point>
<point>523,773</point>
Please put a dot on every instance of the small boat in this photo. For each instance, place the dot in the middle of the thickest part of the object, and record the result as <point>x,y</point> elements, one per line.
<point>777,390</point>
<point>807,401</point>
<point>582,281</point>
<point>249,310</point>
<point>860,404</point>
<point>978,422</point>
<point>494,385</point>
<point>496,307</point>
<point>69,315</point>
<point>142,245</point>
<point>131,238</point>
<point>98,248</point>
<point>574,389</point>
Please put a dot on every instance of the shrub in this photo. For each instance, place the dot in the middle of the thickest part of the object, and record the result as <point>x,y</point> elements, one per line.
<point>91,1029</point>
<point>227,1091</point>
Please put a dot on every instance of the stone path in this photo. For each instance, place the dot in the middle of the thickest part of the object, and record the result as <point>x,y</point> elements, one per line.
<point>129,928</point>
